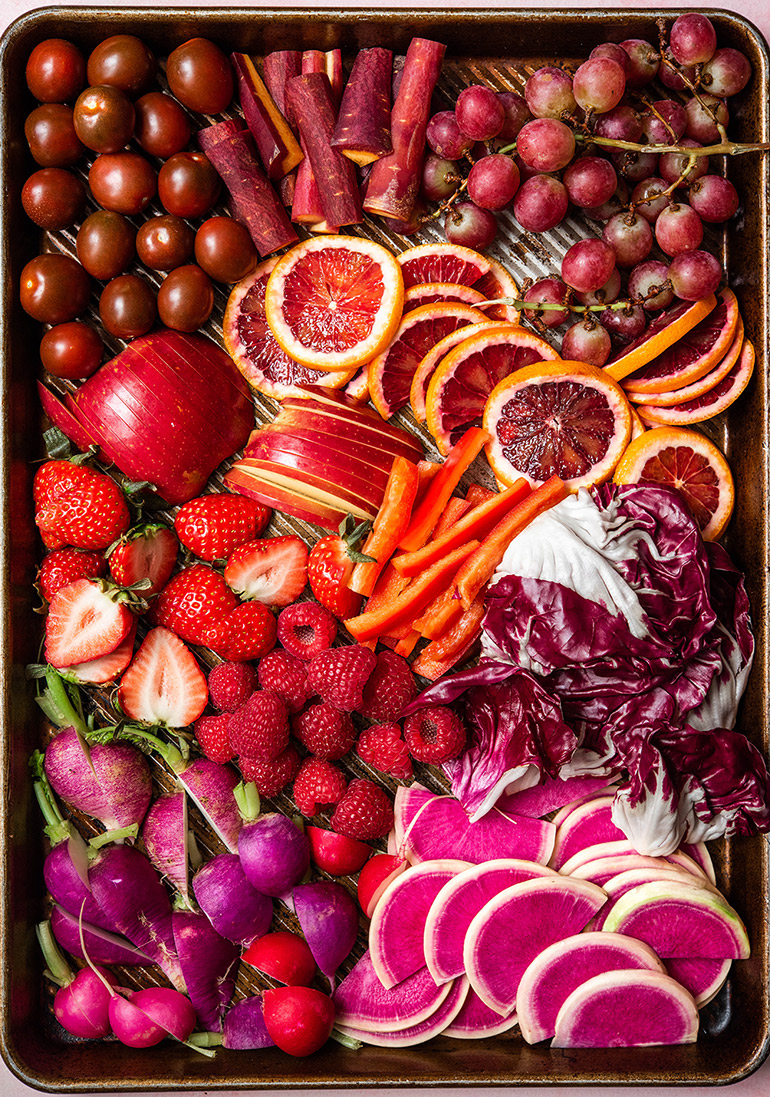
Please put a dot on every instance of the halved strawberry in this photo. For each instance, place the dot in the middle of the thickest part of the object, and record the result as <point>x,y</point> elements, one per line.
<point>85,621</point>
<point>273,570</point>
<point>97,672</point>
<point>163,684</point>
<point>331,564</point>
<point>145,552</point>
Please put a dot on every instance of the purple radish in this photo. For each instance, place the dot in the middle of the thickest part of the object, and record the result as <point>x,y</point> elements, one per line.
<point>425,1030</point>
<point>396,932</point>
<point>165,834</point>
<point>68,888</point>
<point>563,966</point>
<point>109,781</point>
<point>210,787</point>
<point>274,853</point>
<point>458,903</point>
<point>328,917</point>
<point>208,965</point>
<point>442,829</point>
<point>362,1002</point>
<point>550,794</point>
<point>703,978</point>
<point>132,1025</point>
<point>514,927</point>
<point>476,1020</point>
<point>128,889</point>
<point>235,909</point>
<point>627,1009</point>
<point>82,1007</point>
<point>245,1027</point>
<point>103,947</point>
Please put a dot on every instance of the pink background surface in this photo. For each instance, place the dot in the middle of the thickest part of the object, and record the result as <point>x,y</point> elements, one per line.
<point>758,11</point>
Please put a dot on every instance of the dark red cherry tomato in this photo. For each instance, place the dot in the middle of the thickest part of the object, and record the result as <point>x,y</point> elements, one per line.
<point>54,288</point>
<point>163,243</point>
<point>200,76</point>
<point>50,133</point>
<point>225,250</point>
<point>122,181</point>
<point>124,62</point>
<point>188,185</point>
<point>185,298</point>
<point>127,306</point>
<point>104,118</point>
<point>56,71</point>
<point>106,244</point>
<point>53,198</point>
<point>73,350</point>
<point>162,127</point>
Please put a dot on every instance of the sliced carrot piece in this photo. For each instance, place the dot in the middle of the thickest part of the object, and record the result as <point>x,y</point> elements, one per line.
<point>391,522</point>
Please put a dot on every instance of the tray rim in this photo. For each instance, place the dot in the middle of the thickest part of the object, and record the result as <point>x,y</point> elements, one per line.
<point>228,15</point>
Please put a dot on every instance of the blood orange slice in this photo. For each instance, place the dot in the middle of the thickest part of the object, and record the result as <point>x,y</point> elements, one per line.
<point>358,385</point>
<point>637,426</point>
<point>391,372</point>
<point>443,263</point>
<point>427,366</point>
<point>252,346</point>
<point>694,354</point>
<point>710,403</point>
<point>658,336</point>
<point>429,293</point>
<point>334,302</point>
<point>689,462</point>
<point>462,383</point>
<point>499,283</point>
<point>696,388</point>
<point>564,418</point>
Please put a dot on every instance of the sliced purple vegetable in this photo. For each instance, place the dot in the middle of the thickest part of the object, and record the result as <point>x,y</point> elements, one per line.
<point>274,853</point>
<point>245,1026</point>
<point>328,917</point>
<point>211,786</point>
<point>165,834</point>
<point>209,964</point>
<point>102,946</point>
<point>66,887</point>
<point>128,889</point>
<point>235,909</point>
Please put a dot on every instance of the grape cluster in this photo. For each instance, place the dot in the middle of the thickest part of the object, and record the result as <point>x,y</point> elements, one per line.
<point>597,141</point>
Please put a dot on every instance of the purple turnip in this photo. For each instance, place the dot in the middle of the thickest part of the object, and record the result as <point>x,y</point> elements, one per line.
<point>235,909</point>
<point>103,947</point>
<point>328,917</point>
<point>165,834</point>
<point>208,963</point>
<point>274,852</point>
<point>245,1026</point>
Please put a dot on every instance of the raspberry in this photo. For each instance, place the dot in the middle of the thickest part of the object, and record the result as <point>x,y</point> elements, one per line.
<point>340,674</point>
<point>213,735</point>
<point>273,776</point>
<point>326,732</point>
<point>389,690</point>
<point>381,746</point>
<point>306,628</point>
<point>286,674</point>
<point>365,811</point>
<point>231,685</point>
<point>260,728</point>
<point>318,785</point>
<point>434,734</point>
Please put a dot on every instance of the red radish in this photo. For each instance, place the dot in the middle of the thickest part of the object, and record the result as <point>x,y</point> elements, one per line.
<point>132,1026</point>
<point>284,957</point>
<point>245,1027</point>
<point>85,621</point>
<point>163,684</point>
<point>147,1016</point>
<point>210,786</point>
<point>82,1007</point>
<point>146,552</point>
<point>235,909</point>
<point>102,945</point>
<point>375,876</point>
<point>335,853</point>
<point>328,917</point>
<point>299,1019</point>
<point>209,965</point>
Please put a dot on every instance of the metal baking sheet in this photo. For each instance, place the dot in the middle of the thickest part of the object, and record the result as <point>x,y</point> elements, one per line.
<point>499,47</point>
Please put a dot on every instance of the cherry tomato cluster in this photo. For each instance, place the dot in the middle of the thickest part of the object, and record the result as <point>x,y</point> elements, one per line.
<point>107,111</point>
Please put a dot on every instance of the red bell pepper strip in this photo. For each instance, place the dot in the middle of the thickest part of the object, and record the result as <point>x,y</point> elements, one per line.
<point>438,657</point>
<point>441,614</point>
<point>389,526</point>
<point>412,601</point>
<point>453,512</point>
<point>477,523</point>
<point>477,493</point>
<point>406,646</point>
<point>479,568</point>
<point>427,513</point>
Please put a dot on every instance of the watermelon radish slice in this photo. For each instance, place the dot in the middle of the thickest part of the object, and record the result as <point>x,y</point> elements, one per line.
<point>605,850</point>
<point>398,922</point>
<point>476,1020</point>
<point>624,881</point>
<point>701,856</point>
<point>562,967</point>
<point>567,810</point>
<point>362,1002</point>
<point>425,1030</point>
<point>627,1009</point>
<point>443,829</point>
<point>406,805</point>
<point>586,826</point>
<point>681,921</point>
<point>458,903</point>
<point>602,869</point>
<point>514,927</point>
<point>703,978</point>
<point>550,794</point>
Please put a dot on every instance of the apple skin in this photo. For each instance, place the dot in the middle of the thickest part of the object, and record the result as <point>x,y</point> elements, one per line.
<point>336,853</point>
<point>375,876</point>
<point>377,432</point>
<point>323,488</point>
<point>246,482</point>
<point>326,460</point>
<point>347,437</point>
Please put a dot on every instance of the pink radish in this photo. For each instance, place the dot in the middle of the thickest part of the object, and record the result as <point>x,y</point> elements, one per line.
<point>442,829</point>
<point>550,794</point>
<point>209,964</point>
<point>210,787</point>
<point>298,1019</point>
<point>703,978</point>
<point>145,1017</point>
<point>425,1030</point>
<point>587,825</point>
<point>165,834</point>
<point>328,917</point>
<point>377,873</point>
<point>245,1027</point>
<point>102,946</point>
<point>81,1004</point>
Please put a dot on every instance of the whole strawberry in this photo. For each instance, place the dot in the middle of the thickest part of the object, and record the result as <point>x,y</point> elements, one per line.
<point>194,600</point>
<point>246,632</point>
<point>390,688</point>
<point>63,566</point>
<point>340,674</point>
<point>260,728</point>
<point>364,812</point>
<point>146,552</point>
<point>318,785</point>
<point>85,509</point>
<point>325,731</point>
<point>381,746</point>
<point>211,526</point>
<point>330,567</point>
<point>273,776</point>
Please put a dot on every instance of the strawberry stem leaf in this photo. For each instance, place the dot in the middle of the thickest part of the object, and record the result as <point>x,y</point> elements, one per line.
<point>352,535</point>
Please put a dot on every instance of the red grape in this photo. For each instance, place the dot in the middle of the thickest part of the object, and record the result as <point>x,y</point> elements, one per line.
<point>727,73</point>
<point>605,294</point>
<point>540,203</point>
<point>614,52</point>
<point>516,114</point>
<point>672,164</point>
<point>72,350</point>
<point>56,71</point>
<point>629,236</point>
<point>549,291</point>
<point>444,136</point>
<point>439,178</point>
<point>200,76</point>
<point>590,181</point>
<point>673,78</point>
<point>700,125</point>
<point>548,93</point>
<point>622,123</point>
<point>678,229</point>
<point>647,277</point>
<point>625,324</point>
<point>479,112</point>
<point>693,39</point>
<point>599,84</point>
<point>635,166</point>
<point>587,265</point>
<point>586,341</point>
<point>616,203</point>
<point>694,275</point>
<point>651,210</point>
<point>50,133</point>
<point>493,181</point>
<point>470,226</point>
<point>665,123</point>
<point>53,198</point>
<point>546,144</point>
<point>714,199</point>
<point>643,62</point>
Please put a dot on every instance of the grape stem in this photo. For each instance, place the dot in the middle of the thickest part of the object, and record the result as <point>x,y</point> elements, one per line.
<point>669,189</point>
<point>567,306</point>
<point>667,60</point>
<point>723,148</point>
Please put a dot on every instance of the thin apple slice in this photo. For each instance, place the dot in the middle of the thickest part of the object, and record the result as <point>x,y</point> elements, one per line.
<point>319,454</point>
<point>246,482</point>
<point>314,487</point>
